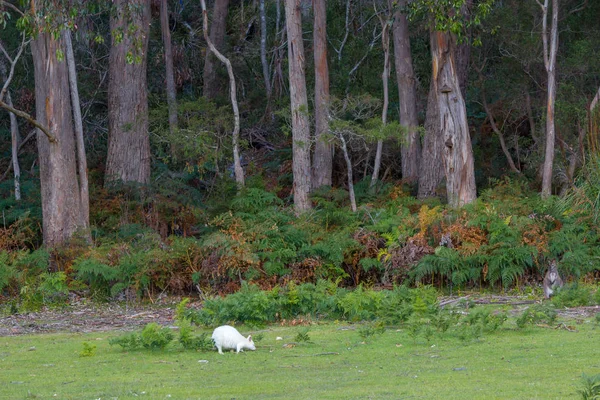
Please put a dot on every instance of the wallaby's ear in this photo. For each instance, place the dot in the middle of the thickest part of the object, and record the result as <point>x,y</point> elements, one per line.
<point>249,338</point>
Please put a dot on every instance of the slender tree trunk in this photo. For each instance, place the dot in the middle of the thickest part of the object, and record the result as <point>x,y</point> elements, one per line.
<point>452,123</point>
<point>237,163</point>
<point>550,50</point>
<point>14,134</point>
<point>82,170</point>
<point>212,85</point>
<point>169,74</point>
<point>323,157</point>
<point>128,156</point>
<point>411,145</point>
<point>277,82</point>
<point>349,172</point>
<point>263,48</point>
<point>15,139</point>
<point>299,107</point>
<point>492,120</point>
<point>385,75</point>
<point>62,213</point>
<point>498,132</point>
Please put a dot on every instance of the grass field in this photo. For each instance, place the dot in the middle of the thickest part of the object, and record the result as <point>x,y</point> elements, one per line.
<point>536,363</point>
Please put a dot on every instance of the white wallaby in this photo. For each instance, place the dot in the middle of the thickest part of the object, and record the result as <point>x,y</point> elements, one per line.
<point>227,337</point>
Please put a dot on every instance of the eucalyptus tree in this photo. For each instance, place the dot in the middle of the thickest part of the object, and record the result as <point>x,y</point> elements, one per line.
<point>218,30</point>
<point>447,142</point>
<point>323,155</point>
<point>299,107</point>
<point>169,75</point>
<point>128,157</point>
<point>63,172</point>
<point>407,93</point>
<point>237,164</point>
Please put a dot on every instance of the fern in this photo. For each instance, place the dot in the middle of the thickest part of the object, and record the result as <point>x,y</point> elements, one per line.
<point>95,273</point>
<point>506,264</point>
<point>7,271</point>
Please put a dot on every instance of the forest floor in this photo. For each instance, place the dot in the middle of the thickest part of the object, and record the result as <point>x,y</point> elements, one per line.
<point>84,316</point>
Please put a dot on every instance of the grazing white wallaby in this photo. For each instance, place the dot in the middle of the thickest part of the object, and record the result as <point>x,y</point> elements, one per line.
<point>227,337</point>
<point>552,280</point>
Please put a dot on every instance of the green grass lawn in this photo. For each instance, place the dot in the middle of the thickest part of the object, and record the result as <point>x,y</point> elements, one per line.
<point>537,363</point>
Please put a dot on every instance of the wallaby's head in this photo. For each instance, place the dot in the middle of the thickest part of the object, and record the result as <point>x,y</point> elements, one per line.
<point>251,345</point>
<point>553,271</point>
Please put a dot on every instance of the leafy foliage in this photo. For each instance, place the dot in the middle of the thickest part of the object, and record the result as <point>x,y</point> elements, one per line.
<point>591,387</point>
<point>152,337</point>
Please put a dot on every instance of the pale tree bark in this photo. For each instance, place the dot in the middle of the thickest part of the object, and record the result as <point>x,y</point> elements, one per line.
<point>452,123</point>
<point>237,163</point>
<point>128,158</point>
<point>385,75</point>
<point>407,92</point>
<point>14,133</point>
<point>82,170</point>
<point>299,107</point>
<point>323,156</point>
<point>349,172</point>
<point>212,86</point>
<point>550,50</point>
<point>263,48</point>
<point>15,139</point>
<point>62,213</point>
<point>169,74</point>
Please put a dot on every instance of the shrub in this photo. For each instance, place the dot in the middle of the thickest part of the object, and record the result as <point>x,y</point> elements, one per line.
<point>152,337</point>
<point>591,387</point>
<point>536,314</point>
<point>572,295</point>
<point>155,337</point>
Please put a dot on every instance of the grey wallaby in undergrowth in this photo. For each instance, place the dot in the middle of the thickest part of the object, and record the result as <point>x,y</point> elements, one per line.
<point>552,280</point>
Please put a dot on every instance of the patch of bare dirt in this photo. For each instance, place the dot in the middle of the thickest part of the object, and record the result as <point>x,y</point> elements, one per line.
<point>86,316</point>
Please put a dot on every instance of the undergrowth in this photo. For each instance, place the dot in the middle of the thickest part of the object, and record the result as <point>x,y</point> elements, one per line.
<point>144,244</point>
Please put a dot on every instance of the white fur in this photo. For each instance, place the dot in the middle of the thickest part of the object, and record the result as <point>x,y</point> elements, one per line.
<point>227,337</point>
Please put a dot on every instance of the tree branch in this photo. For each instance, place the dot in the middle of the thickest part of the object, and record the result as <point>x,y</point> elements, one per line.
<point>29,119</point>
<point>13,7</point>
<point>13,62</point>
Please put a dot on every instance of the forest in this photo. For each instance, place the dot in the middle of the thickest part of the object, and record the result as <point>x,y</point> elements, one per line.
<point>157,147</point>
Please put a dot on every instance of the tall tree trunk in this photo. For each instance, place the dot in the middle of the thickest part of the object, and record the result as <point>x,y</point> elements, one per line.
<point>550,50</point>
<point>212,86</point>
<point>411,145</point>
<point>169,75</point>
<point>82,170</point>
<point>385,75</point>
<point>263,48</point>
<point>431,167</point>
<point>323,156</point>
<point>452,122</point>
<point>299,107</point>
<point>128,156</point>
<point>62,214</point>
<point>237,164</point>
